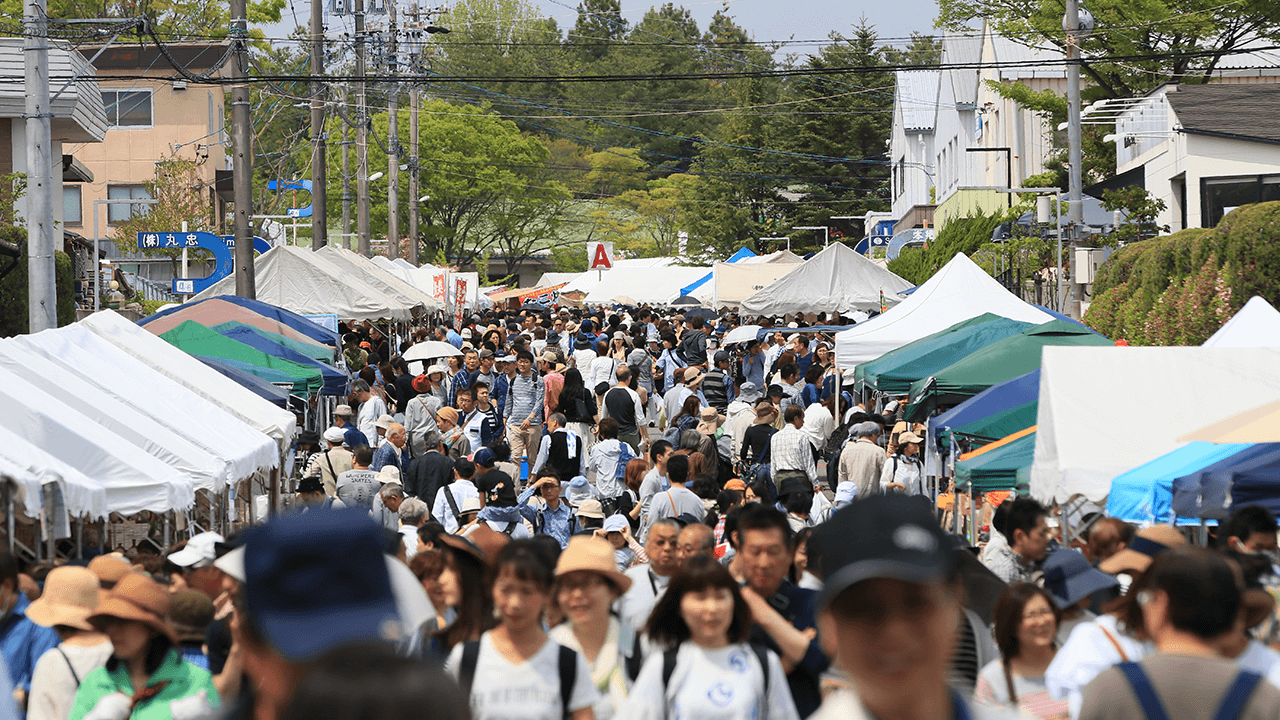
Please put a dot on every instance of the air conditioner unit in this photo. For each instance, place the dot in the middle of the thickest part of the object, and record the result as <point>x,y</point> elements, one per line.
<point>179,84</point>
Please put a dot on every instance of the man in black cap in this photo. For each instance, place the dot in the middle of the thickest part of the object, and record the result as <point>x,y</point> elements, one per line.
<point>889,609</point>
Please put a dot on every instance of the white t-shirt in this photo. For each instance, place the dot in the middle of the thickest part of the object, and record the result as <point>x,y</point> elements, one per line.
<point>53,686</point>
<point>1087,653</point>
<point>722,684</point>
<point>526,691</point>
<point>646,587</point>
<point>358,487</point>
<point>607,672</point>
<point>472,429</point>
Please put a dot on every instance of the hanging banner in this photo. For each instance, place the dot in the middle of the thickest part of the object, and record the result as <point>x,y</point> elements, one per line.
<point>459,300</point>
<point>546,296</point>
<point>441,288</point>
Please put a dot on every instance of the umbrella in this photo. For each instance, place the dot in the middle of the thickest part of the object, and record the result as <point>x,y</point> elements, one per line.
<point>625,300</point>
<point>430,350</point>
<point>686,300</point>
<point>744,333</point>
<point>703,313</point>
<point>1259,425</point>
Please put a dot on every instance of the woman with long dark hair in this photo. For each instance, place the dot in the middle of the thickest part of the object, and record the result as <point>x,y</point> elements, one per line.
<point>146,677</point>
<point>715,673</point>
<point>578,405</point>
<point>687,418</point>
<point>1026,624</point>
<point>463,587</point>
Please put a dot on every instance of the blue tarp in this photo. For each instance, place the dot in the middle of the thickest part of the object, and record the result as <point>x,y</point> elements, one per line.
<point>335,381</point>
<point>285,317</point>
<point>258,386</point>
<point>1249,477</point>
<point>1144,495</point>
<point>997,398</point>
<point>740,255</point>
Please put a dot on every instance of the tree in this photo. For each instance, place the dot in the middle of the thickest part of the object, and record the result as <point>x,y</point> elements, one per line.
<point>180,198</point>
<point>174,20</point>
<point>600,24</point>
<point>1140,207</point>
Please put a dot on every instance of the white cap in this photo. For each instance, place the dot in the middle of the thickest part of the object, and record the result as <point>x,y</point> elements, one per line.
<point>389,475</point>
<point>615,523</point>
<point>334,434</point>
<point>199,551</point>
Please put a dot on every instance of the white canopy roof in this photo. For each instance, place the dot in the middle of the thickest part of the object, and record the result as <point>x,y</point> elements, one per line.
<point>731,283</point>
<point>378,277</point>
<point>213,386</point>
<point>786,257</point>
<point>1083,440</point>
<point>1256,325</point>
<point>105,376</point>
<point>32,467</point>
<point>308,283</point>
<point>643,285</point>
<point>835,280</point>
<point>549,279</point>
<point>133,479</point>
<point>959,291</point>
<point>587,281</point>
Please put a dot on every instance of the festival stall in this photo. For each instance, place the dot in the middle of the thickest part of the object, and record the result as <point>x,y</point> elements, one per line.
<point>998,411</point>
<point>894,372</point>
<point>201,341</point>
<point>835,280</point>
<point>959,291</point>
<point>1256,325</point>
<point>1002,465</point>
<point>1249,477</point>
<point>641,285</point>
<point>365,269</point>
<point>255,313</point>
<point>1143,496</point>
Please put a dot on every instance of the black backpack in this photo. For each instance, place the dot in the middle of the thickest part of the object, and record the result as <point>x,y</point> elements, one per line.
<point>568,665</point>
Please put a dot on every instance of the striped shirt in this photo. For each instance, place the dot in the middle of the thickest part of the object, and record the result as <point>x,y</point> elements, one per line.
<point>790,449</point>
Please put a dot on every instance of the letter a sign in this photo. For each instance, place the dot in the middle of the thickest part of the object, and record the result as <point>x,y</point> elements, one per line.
<point>600,256</point>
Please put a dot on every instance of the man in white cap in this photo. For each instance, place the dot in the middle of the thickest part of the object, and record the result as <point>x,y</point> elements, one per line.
<point>196,560</point>
<point>386,506</point>
<point>343,417</point>
<point>332,462</point>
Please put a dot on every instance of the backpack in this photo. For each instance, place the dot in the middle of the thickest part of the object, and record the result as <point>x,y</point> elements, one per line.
<point>624,456</point>
<point>568,667</point>
<point>761,653</point>
<point>1233,702</point>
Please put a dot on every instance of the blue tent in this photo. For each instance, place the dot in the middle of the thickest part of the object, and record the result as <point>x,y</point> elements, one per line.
<point>267,375</point>
<point>1249,477</point>
<point>285,317</point>
<point>258,386</point>
<point>335,381</point>
<point>742,254</point>
<point>1144,495</point>
<point>996,409</point>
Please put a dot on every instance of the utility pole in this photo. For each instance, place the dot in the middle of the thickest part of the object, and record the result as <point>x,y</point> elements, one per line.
<point>42,299</point>
<point>346,174</point>
<point>413,148</point>
<point>393,144</point>
<point>362,139</point>
<point>242,163</point>
<point>319,196</point>
<point>1075,207</point>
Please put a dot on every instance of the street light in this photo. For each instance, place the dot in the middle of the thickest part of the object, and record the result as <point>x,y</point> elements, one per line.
<point>375,176</point>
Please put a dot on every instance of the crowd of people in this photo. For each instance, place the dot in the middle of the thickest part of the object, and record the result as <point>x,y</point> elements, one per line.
<point>617,516</point>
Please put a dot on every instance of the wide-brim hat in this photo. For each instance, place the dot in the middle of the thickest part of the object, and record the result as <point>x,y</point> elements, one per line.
<point>1142,550</point>
<point>591,554</point>
<point>484,543</point>
<point>420,384</point>
<point>690,380</point>
<point>136,598</point>
<point>71,594</point>
<point>749,393</point>
<point>1070,578</point>
<point>110,568</point>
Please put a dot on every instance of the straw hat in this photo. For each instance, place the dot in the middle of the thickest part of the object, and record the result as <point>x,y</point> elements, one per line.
<point>110,569</point>
<point>710,421</point>
<point>70,595</point>
<point>389,475</point>
<point>592,555</point>
<point>1146,544</point>
<point>136,598</point>
<point>692,377</point>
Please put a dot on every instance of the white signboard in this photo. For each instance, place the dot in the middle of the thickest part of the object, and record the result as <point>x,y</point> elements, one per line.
<point>599,256</point>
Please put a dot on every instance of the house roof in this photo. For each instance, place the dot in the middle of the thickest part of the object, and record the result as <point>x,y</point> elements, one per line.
<point>1006,50</point>
<point>195,56</point>
<point>918,97</point>
<point>78,115</point>
<point>1245,112</point>
<point>963,50</point>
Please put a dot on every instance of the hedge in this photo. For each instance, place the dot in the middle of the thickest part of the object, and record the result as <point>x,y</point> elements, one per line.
<point>14,311</point>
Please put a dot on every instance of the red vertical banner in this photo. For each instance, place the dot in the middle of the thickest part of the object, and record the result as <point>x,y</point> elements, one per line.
<point>441,287</point>
<point>460,300</point>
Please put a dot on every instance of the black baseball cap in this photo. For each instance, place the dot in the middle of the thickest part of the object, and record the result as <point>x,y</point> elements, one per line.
<point>882,536</point>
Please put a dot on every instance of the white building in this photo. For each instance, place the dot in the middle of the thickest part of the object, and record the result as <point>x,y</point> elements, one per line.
<point>1202,149</point>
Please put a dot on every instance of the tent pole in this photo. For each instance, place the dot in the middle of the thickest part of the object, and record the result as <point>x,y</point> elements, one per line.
<point>973,515</point>
<point>8,502</point>
<point>80,538</point>
<point>168,538</point>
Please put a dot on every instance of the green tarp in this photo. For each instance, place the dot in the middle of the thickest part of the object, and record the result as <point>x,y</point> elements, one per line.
<point>920,360</point>
<point>889,359</point>
<point>1001,468</point>
<point>315,351</point>
<point>999,361</point>
<point>995,426</point>
<point>195,339</point>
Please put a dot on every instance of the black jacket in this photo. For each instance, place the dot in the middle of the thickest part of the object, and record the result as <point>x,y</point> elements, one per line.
<point>426,474</point>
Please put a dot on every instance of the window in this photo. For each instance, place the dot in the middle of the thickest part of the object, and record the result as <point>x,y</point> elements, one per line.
<point>118,213</point>
<point>1219,196</point>
<point>127,108</point>
<point>71,213</point>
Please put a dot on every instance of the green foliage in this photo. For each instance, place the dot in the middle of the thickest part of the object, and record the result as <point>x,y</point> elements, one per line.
<point>962,235</point>
<point>1140,207</point>
<point>14,309</point>
<point>177,188</point>
<point>12,187</point>
<point>1179,289</point>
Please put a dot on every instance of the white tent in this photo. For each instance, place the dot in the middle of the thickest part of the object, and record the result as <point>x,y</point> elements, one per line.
<point>1106,410</point>
<point>643,285</point>
<point>1256,325</point>
<point>133,479</point>
<point>307,283</point>
<point>378,277</point>
<point>549,279</point>
<point>835,280</point>
<point>731,283</point>
<point>587,281</point>
<point>204,381</point>
<point>32,468</point>
<point>786,257</point>
<point>959,291</point>
<point>122,379</point>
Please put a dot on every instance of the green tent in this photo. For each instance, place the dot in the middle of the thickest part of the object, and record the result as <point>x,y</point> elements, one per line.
<point>1001,465</point>
<point>1002,360</point>
<point>871,368</point>
<point>315,351</point>
<point>896,375</point>
<point>995,426</point>
<point>195,339</point>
